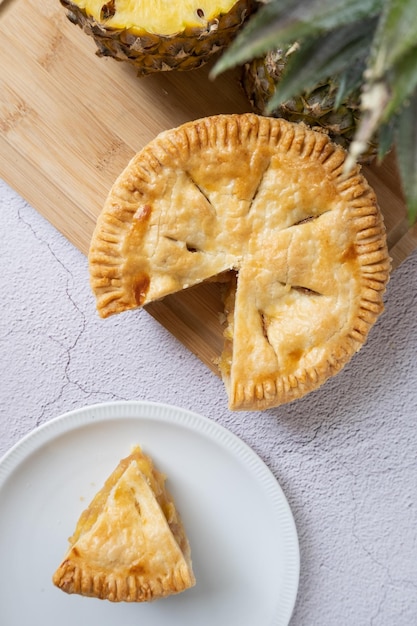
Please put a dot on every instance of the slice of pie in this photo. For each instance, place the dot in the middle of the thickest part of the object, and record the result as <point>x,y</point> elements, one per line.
<point>129,544</point>
<point>268,200</point>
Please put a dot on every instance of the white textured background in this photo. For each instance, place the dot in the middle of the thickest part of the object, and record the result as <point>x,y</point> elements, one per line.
<point>345,456</point>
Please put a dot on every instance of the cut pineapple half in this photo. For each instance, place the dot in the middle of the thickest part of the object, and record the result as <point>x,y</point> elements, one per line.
<point>161,35</point>
<point>130,543</point>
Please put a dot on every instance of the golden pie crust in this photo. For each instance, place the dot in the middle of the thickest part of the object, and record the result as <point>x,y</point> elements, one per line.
<point>269,200</point>
<point>129,544</point>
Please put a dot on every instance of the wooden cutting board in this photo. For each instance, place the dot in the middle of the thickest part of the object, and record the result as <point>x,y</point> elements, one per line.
<point>70,122</point>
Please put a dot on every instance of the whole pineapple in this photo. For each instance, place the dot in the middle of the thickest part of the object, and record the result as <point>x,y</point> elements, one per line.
<point>368,47</point>
<point>317,107</point>
<point>160,35</point>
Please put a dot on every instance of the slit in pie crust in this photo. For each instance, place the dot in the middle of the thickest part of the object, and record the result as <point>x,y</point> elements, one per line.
<point>269,200</point>
<point>129,544</point>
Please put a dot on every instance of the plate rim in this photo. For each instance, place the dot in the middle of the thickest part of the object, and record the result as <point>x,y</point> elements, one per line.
<point>202,425</point>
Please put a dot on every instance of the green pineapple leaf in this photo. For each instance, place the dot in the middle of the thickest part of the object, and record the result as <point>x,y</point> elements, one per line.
<point>406,145</point>
<point>402,81</point>
<point>350,81</point>
<point>391,74</point>
<point>395,36</point>
<point>386,137</point>
<point>282,22</point>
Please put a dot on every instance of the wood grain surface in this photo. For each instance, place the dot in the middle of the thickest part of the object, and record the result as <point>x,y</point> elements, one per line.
<point>70,122</point>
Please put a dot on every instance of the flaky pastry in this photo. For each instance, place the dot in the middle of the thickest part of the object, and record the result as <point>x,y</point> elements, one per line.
<point>129,544</point>
<point>270,201</point>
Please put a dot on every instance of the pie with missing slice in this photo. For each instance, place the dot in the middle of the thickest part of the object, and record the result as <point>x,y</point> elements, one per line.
<point>129,544</point>
<point>269,201</point>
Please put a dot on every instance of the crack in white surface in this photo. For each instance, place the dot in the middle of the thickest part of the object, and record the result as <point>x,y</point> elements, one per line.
<point>68,349</point>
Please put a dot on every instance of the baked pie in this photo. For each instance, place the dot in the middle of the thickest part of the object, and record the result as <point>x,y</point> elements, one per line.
<point>268,201</point>
<point>129,544</point>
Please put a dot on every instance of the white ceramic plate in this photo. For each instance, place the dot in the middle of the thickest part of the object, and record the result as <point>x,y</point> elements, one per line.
<point>241,530</point>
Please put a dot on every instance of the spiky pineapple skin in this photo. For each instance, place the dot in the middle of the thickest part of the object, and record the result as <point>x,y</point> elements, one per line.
<point>315,108</point>
<point>149,53</point>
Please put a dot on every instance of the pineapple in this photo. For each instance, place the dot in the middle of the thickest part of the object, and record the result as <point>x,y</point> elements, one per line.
<point>163,35</point>
<point>368,48</point>
<point>318,107</point>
